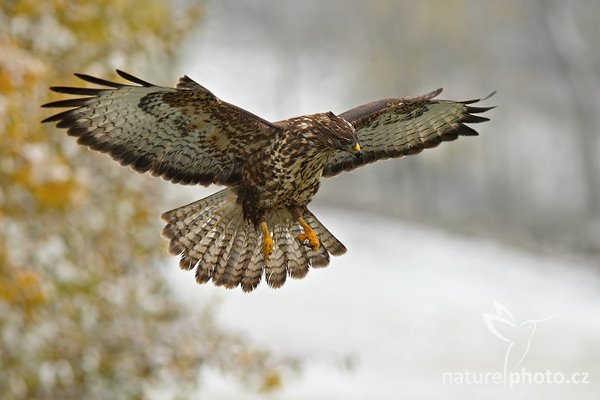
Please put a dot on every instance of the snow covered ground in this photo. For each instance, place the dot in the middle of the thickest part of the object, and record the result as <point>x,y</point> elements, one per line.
<point>405,305</point>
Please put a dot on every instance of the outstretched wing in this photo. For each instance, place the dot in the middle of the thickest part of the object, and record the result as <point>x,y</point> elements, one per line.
<point>393,128</point>
<point>183,134</point>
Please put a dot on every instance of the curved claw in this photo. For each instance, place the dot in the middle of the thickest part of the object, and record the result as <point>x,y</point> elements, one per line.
<point>309,234</point>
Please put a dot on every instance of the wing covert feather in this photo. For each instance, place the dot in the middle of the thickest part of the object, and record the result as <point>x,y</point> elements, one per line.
<point>393,128</point>
<point>185,134</point>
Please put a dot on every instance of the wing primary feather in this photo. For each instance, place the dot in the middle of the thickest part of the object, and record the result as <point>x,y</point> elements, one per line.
<point>477,100</point>
<point>134,79</point>
<point>473,119</point>
<point>464,130</point>
<point>478,110</point>
<point>58,117</point>
<point>76,90</point>
<point>67,103</point>
<point>488,96</point>
<point>98,81</point>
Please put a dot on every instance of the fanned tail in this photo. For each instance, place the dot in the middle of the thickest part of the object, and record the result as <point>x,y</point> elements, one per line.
<point>212,236</point>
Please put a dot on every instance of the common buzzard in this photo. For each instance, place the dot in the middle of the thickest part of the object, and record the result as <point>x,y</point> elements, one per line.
<point>260,223</point>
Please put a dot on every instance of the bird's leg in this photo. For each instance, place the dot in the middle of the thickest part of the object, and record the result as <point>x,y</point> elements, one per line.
<point>309,234</point>
<point>267,241</point>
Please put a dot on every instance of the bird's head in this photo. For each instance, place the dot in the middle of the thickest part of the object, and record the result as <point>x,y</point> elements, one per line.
<point>339,134</point>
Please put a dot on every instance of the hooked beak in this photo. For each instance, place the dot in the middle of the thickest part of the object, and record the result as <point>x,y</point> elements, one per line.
<point>355,150</point>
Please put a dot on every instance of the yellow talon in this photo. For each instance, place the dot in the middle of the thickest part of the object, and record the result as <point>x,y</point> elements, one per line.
<point>309,234</point>
<point>267,242</point>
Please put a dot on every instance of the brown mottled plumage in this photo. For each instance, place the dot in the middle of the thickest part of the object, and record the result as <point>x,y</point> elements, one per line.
<point>260,224</point>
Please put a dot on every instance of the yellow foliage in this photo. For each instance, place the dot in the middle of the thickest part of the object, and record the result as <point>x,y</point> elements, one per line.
<point>6,84</point>
<point>57,194</point>
<point>21,289</point>
<point>271,381</point>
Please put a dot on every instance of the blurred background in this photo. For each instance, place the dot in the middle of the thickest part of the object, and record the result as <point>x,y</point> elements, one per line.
<point>91,306</point>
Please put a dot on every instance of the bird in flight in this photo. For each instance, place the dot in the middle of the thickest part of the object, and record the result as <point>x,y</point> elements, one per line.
<point>260,224</point>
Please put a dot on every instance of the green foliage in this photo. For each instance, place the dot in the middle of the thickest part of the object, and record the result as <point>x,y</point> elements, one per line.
<point>84,312</point>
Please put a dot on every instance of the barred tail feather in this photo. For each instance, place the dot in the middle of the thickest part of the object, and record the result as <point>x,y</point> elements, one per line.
<point>212,236</point>
<point>330,242</point>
